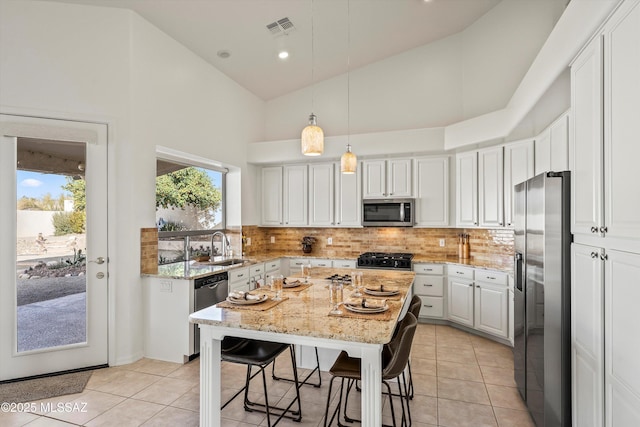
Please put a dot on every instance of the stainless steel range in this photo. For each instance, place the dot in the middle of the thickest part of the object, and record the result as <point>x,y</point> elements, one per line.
<point>386,261</point>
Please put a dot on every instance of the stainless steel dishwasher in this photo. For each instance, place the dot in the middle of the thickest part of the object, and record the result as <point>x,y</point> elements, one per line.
<point>208,291</point>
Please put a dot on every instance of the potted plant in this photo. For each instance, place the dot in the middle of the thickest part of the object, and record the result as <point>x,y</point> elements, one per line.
<point>307,244</point>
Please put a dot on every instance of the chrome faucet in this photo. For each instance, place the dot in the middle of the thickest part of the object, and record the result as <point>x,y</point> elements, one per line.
<point>224,243</point>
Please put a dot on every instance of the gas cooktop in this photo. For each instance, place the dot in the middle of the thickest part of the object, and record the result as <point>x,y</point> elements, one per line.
<point>382,260</point>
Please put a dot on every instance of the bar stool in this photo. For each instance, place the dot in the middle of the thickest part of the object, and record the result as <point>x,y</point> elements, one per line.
<point>394,363</point>
<point>306,379</point>
<point>258,353</point>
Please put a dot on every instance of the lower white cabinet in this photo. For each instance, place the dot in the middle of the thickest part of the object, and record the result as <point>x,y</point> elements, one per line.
<point>429,286</point>
<point>492,308</point>
<point>239,280</point>
<point>344,263</point>
<point>460,294</point>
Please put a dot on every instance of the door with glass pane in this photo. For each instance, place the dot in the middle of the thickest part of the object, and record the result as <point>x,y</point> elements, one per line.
<point>53,250</point>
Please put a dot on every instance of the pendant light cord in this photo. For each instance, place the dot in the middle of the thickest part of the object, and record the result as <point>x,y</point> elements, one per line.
<point>312,59</point>
<point>348,68</point>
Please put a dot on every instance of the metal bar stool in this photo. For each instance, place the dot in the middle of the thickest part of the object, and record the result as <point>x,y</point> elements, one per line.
<point>260,354</point>
<point>306,379</point>
<point>394,363</point>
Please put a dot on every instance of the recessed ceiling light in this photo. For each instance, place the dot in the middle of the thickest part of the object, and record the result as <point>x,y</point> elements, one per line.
<point>224,54</point>
<point>283,54</point>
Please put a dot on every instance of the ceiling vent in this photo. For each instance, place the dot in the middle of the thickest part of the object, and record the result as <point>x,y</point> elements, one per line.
<point>281,27</point>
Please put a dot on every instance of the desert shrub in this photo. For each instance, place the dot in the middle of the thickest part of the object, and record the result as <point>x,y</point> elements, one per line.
<point>68,223</point>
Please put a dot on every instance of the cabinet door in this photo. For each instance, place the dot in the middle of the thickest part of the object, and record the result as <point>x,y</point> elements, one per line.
<point>348,199</point>
<point>295,195</point>
<point>622,123</point>
<point>491,309</point>
<point>272,196</point>
<point>491,187</point>
<point>467,189</point>
<point>399,178</point>
<point>374,178</point>
<point>320,262</point>
<point>622,370</point>
<point>585,143</point>
<point>432,191</point>
<point>559,147</point>
<point>461,301</point>
<point>587,338</point>
<point>321,194</point>
<point>518,167</point>
<point>543,152</point>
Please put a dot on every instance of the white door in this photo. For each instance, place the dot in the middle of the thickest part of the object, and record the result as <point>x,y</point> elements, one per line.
<point>321,195</point>
<point>295,195</point>
<point>543,152</point>
<point>348,199</point>
<point>490,187</point>
<point>560,144</point>
<point>518,167</point>
<point>374,177</point>
<point>272,196</point>
<point>461,301</point>
<point>432,191</point>
<point>491,309</point>
<point>63,325</point>
<point>467,189</point>
<point>399,178</point>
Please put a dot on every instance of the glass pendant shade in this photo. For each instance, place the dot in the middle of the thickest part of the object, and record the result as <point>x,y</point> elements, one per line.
<point>348,162</point>
<point>312,138</point>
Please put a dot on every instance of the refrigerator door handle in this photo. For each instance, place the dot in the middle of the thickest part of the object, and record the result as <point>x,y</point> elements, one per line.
<point>518,271</point>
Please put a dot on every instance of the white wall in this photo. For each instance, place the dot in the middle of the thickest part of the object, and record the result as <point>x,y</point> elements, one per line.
<point>109,65</point>
<point>30,223</point>
<point>470,73</point>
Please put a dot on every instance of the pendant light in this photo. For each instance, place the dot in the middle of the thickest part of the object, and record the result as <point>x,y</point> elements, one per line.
<point>312,137</point>
<point>348,161</point>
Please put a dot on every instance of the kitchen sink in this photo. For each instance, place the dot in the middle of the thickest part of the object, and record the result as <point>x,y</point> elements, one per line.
<point>229,262</point>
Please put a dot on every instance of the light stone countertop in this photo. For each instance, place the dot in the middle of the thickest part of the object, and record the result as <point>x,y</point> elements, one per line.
<point>306,313</point>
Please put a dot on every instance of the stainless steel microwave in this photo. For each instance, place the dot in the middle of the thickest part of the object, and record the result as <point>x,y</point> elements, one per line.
<point>388,212</point>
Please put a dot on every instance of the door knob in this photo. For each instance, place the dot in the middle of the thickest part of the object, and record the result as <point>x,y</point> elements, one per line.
<point>100,275</point>
<point>99,260</point>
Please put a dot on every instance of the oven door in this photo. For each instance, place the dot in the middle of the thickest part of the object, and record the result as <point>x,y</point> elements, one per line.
<point>387,212</point>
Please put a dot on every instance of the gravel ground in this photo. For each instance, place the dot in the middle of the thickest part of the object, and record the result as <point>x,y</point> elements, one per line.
<point>46,288</point>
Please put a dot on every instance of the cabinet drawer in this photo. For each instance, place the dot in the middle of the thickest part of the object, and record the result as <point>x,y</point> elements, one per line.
<point>429,285</point>
<point>242,285</point>
<point>256,270</point>
<point>432,307</point>
<point>458,271</point>
<point>239,275</point>
<point>272,265</point>
<point>296,263</point>
<point>437,269</point>
<point>344,263</point>
<point>320,263</point>
<point>489,276</point>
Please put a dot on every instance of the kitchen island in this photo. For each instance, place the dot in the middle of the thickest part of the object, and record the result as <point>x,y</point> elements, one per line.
<point>303,319</point>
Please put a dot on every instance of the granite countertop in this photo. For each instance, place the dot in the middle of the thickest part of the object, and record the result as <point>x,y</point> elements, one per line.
<point>193,269</point>
<point>306,312</point>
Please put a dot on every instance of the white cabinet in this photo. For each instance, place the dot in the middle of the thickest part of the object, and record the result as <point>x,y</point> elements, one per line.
<point>321,194</point>
<point>387,178</point>
<point>320,262</point>
<point>491,187</point>
<point>518,167</point>
<point>552,147</point>
<point>272,196</point>
<point>460,294</point>
<point>467,189</point>
<point>431,182</point>
<point>239,279</point>
<point>344,263</point>
<point>587,340</point>
<point>491,303</point>
<point>348,199</point>
<point>295,195</point>
<point>429,286</point>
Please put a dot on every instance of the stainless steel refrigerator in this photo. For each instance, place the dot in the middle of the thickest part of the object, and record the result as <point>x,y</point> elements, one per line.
<point>542,303</point>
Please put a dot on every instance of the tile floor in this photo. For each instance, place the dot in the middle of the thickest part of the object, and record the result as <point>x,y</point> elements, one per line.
<point>460,380</point>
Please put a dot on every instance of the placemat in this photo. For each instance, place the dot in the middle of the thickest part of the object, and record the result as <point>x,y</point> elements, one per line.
<point>298,288</point>
<point>346,314</point>
<point>255,307</point>
<point>396,297</point>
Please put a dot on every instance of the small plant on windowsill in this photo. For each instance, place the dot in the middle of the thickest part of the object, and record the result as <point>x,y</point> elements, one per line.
<point>307,244</point>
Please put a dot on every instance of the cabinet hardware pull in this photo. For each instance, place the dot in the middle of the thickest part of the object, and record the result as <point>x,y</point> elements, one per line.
<point>429,269</point>
<point>491,278</point>
<point>475,223</point>
<point>604,229</point>
<point>459,272</point>
<point>594,229</point>
<point>477,286</point>
<point>428,285</point>
<point>594,254</point>
<point>428,305</point>
<point>604,257</point>
<point>241,275</point>
<point>470,284</point>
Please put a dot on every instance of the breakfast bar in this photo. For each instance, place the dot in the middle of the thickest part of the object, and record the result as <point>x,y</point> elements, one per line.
<point>303,318</point>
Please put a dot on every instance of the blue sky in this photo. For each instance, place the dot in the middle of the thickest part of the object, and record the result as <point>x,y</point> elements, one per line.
<point>36,185</point>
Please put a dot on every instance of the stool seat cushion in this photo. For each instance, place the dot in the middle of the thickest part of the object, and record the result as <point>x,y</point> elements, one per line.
<point>255,352</point>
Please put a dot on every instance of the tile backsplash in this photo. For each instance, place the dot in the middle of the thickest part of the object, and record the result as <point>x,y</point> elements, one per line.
<point>350,242</point>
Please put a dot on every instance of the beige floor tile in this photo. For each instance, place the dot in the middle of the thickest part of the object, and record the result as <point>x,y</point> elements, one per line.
<point>155,367</point>
<point>453,341</point>
<point>452,413</point>
<point>48,422</point>
<point>423,366</point>
<point>459,371</point>
<point>451,331</point>
<point>44,406</point>
<point>497,358</point>
<point>233,423</point>
<point>312,415</point>
<point>164,391</point>
<point>463,354</point>
<point>131,412</point>
<point>102,376</point>
<point>498,376</point>
<point>127,383</point>
<point>171,417</point>
<point>235,410</point>
<point>425,329</point>
<point>505,397</point>
<point>466,391</point>
<point>85,407</point>
<point>190,400</point>
<point>424,409</point>
<point>423,351</point>
<point>189,371</point>
<point>511,418</point>
<point>16,419</point>
<point>426,385</point>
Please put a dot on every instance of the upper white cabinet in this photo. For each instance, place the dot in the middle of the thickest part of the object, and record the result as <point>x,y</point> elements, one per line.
<point>490,187</point>
<point>552,147</point>
<point>348,199</point>
<point>518,167</point>
<point>387,178</point>
<point>295,195</point>
<point>272,196</point>
<point>432,191</point>
<point>604,139</point>
<point>321,194</point>
<point>467,189</point>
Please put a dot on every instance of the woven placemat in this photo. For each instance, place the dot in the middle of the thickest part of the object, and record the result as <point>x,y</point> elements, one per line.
<point>346,314</point>
<point>298,288</point>
<point>270,303</point>
<point>396,297</point>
